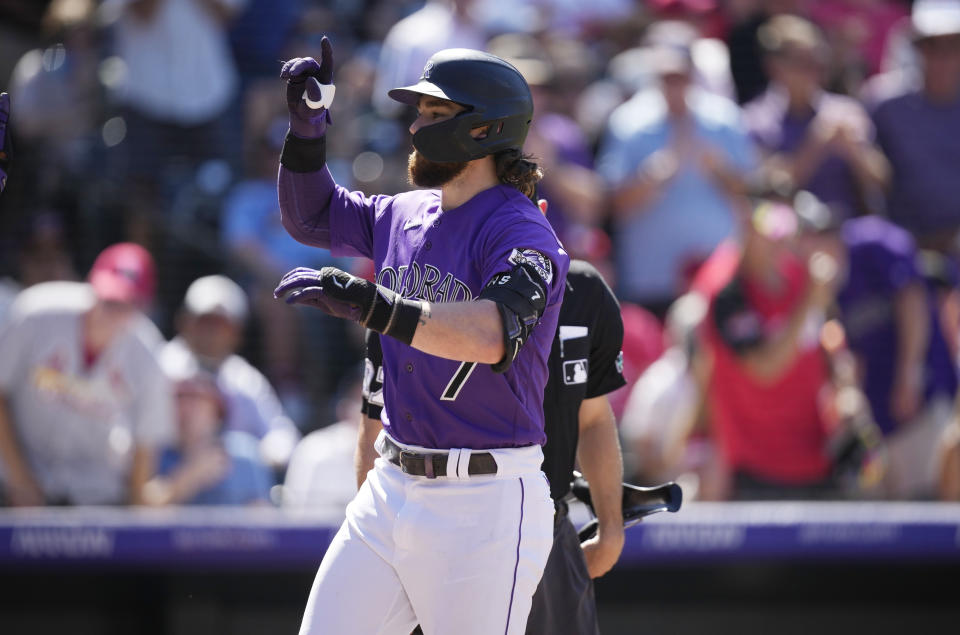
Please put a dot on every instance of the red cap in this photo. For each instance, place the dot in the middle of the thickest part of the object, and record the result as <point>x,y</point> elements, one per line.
<point>124,273</point>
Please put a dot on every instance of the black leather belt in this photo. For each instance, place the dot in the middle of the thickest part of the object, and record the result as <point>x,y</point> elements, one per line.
<point>433,465</point>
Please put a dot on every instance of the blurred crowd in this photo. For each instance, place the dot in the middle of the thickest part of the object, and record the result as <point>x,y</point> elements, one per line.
<point>769,186</point>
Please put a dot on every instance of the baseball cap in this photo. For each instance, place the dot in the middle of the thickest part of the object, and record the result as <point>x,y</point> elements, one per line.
<point>216,295</point>
<point>124,272</point>
<point>934,18</point>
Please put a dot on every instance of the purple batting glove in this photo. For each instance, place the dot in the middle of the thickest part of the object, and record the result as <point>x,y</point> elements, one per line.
<point>5,147</point>
<point>342,295</point>
<point>331,290</point>
<point>305,75</point>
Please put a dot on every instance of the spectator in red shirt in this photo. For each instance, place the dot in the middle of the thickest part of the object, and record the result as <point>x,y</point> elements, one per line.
<point>769,372</point>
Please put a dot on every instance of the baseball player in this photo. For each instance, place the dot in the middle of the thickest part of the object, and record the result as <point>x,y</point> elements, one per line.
<point>585,364</point>
<point>452,528</point>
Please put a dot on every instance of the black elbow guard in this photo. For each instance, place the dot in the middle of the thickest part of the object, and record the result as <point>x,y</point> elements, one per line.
<point>521,298</point>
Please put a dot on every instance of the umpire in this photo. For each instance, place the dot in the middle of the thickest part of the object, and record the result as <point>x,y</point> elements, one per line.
<point>585,365</point>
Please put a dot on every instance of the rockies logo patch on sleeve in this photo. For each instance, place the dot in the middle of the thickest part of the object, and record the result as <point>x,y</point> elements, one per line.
<point>535,259</point>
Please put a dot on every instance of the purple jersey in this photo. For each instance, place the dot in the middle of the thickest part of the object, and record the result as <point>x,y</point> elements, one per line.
<point>442,256</point>
<point>883,260</point>
<point>775,129</point>
<point>922,141</point>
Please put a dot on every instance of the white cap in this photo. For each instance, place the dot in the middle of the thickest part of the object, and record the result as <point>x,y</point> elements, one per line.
<point>933,18</point>
<point>219,295</point>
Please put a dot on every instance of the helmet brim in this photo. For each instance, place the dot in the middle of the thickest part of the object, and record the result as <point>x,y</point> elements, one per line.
<point>411,94</point>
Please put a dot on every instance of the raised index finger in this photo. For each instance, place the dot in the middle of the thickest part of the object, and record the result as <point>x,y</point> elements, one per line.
<point>326,61</point>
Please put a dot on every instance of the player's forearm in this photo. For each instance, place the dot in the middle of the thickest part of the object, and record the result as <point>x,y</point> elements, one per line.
<point>366,454</point>
<point>305,199</point>
<point>462,331</point>
<point>598,452</point>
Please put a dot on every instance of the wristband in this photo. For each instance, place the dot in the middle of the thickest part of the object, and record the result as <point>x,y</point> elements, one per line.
<point>303,155</point>
<point>393,315</point>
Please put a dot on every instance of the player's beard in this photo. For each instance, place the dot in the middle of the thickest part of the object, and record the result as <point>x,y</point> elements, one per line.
<point>423,172</point>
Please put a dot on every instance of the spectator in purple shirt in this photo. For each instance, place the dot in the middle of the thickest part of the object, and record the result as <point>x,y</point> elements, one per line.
<point>892,326</point>
<point>918,127</point>
<point>818,141</point>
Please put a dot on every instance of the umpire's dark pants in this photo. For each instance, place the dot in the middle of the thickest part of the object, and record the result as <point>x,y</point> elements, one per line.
<point>564,601</point>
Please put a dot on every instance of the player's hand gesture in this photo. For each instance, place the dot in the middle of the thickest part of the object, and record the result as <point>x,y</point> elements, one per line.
<point>310,92</point>
<point>331,290</point>
<point>4,139</point>
<point>343,295</point>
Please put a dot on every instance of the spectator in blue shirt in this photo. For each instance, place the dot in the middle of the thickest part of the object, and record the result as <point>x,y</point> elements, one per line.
<point>673,156</point>
<point>208,466</point>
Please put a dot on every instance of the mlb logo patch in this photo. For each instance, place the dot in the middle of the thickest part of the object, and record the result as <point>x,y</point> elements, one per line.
<point>575,372</point>
<point>535,259</point>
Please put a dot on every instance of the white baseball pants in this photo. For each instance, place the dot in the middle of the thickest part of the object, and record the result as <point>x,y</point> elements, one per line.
<point>456,554</point>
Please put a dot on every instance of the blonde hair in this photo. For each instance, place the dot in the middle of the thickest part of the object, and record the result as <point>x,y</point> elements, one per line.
<point>783,32</point>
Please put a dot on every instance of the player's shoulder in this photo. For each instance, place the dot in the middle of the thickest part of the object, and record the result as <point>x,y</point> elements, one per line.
<point>583,272</point>
<point>587,281</point>
<point>52,300</point>
<point>514,212</point>
<point>408,204</point>
<point>414,199</point>
<point>588,292</point>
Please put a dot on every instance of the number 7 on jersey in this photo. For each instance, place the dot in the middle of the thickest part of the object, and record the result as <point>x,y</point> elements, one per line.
<point>457,381</point>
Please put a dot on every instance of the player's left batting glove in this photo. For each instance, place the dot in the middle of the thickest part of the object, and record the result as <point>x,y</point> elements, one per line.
<point>343,295</point>
<point>310,92</point>
<point>5,146</point>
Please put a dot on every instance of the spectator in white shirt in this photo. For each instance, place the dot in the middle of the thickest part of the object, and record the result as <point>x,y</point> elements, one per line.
<point>209,332</point>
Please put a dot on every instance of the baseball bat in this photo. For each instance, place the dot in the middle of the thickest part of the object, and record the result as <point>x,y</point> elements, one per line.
<point>637,502</point>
